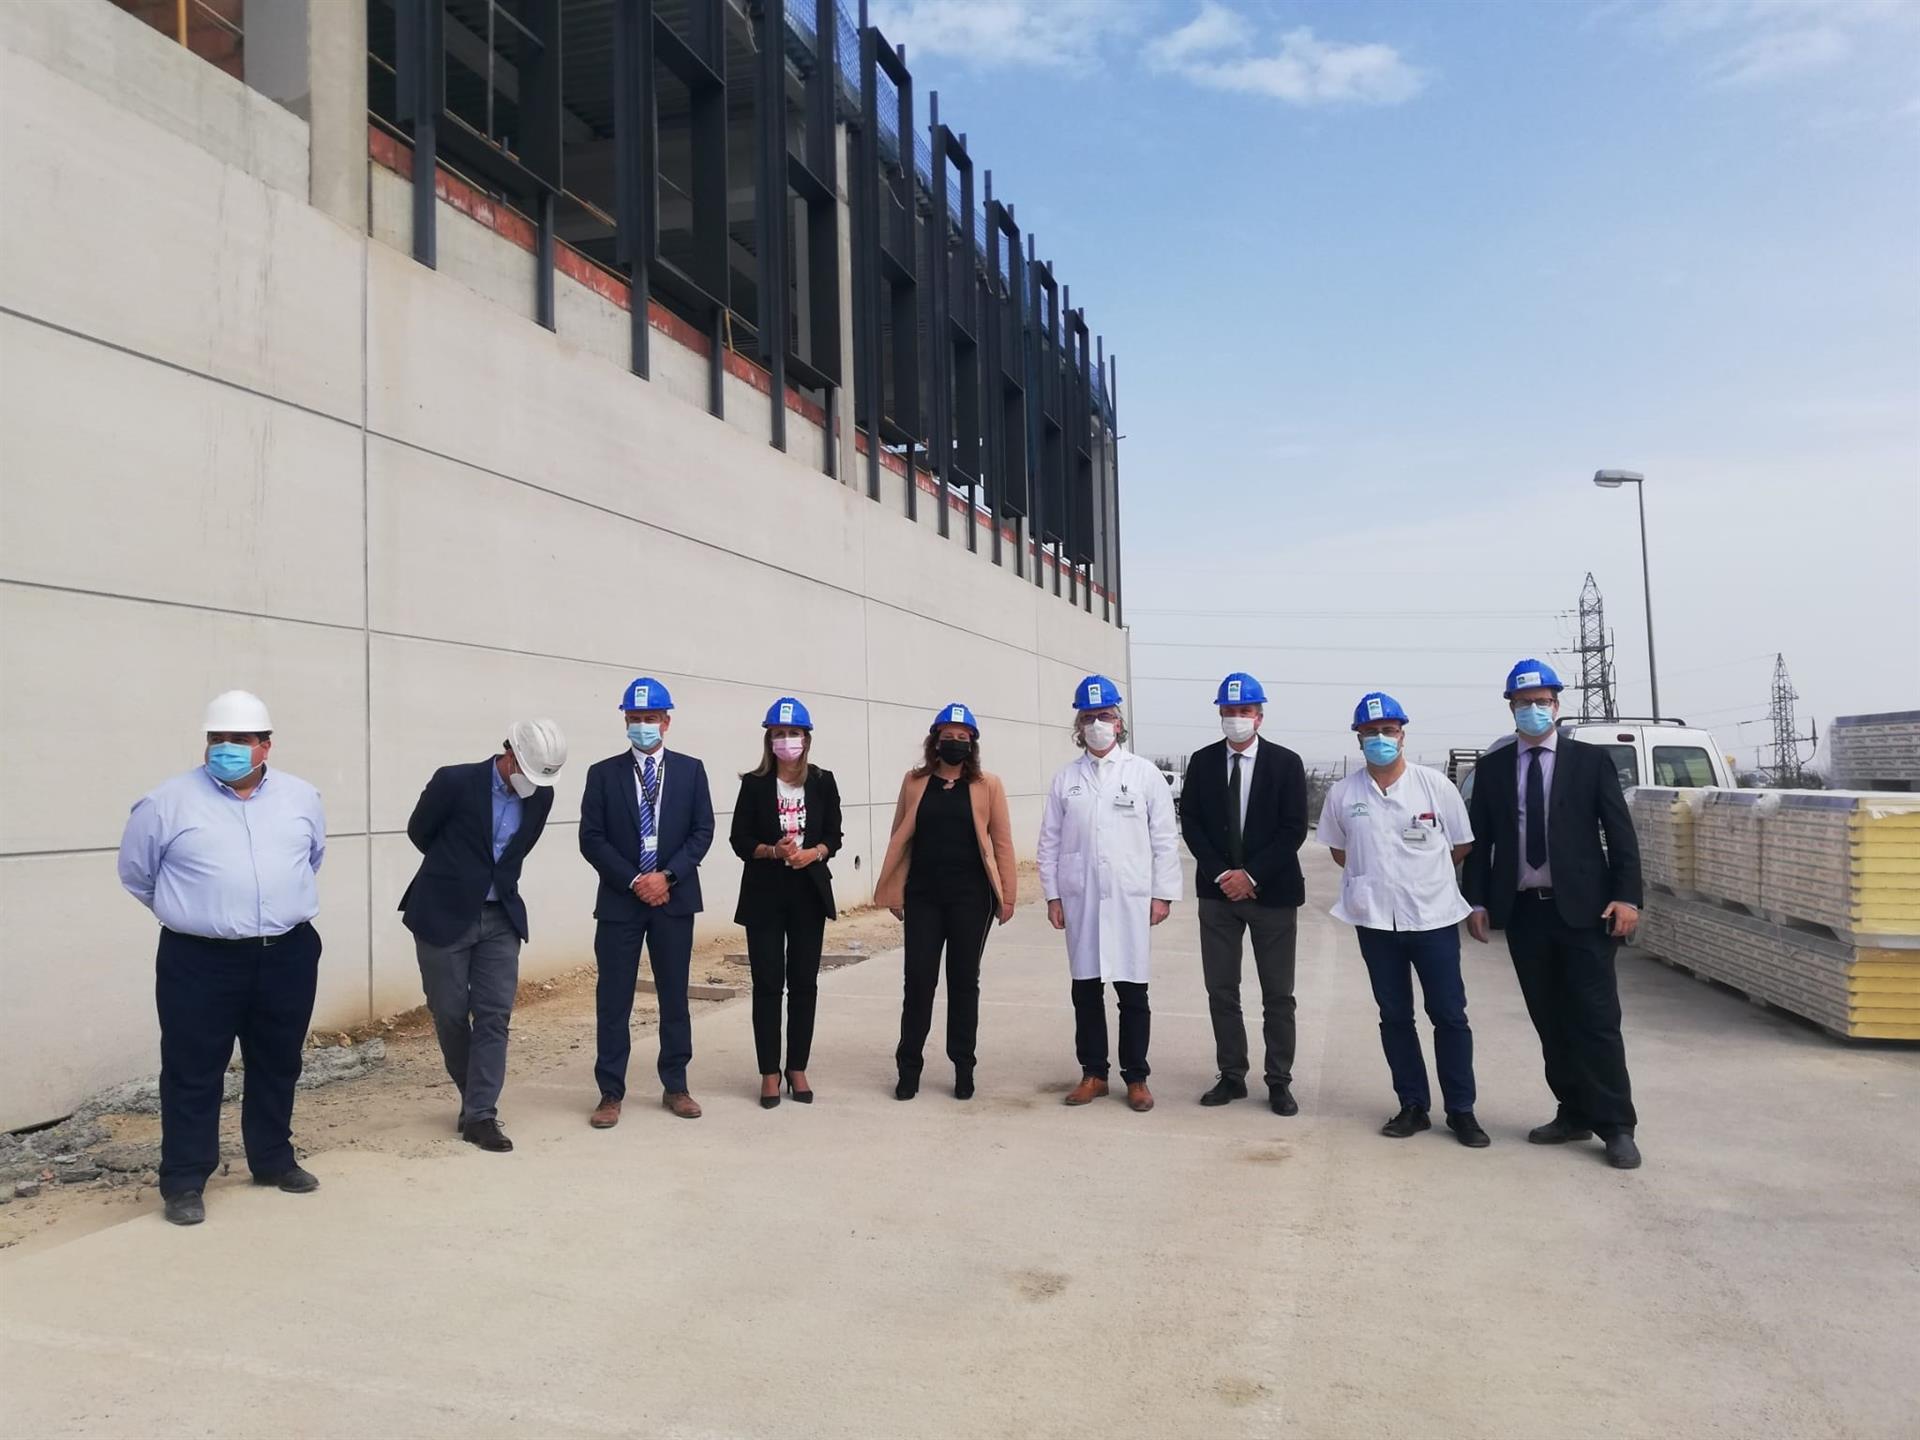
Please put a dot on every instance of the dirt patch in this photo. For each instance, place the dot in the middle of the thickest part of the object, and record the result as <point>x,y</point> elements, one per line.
<point>1238,1391</point>
<point>1265,1155</point>
<point>1039,1285</point>
<point>553,1040</point>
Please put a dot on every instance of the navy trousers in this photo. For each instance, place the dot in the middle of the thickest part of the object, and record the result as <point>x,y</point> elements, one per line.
<point>210,993</point>
<point>1393,958</point>
<point>616,950</point>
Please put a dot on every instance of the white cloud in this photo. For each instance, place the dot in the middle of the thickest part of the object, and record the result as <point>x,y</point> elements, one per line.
<point>1035,33</point>
<point>1763,42</point>
<point>1782,54</point>
<point>1218,49</point>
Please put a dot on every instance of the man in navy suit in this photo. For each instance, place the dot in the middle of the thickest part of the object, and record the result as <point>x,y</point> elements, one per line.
<point>646,821</point>
<point>474,824</point>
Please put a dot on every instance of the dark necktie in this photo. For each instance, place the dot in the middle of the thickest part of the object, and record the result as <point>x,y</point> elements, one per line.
<point>1236,842</point>
<point>1536,813</point>
<point>649,804</point>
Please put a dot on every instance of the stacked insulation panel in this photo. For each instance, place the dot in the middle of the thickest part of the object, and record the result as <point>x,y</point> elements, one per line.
<point>1862,992</point>
<point>1727,863</point>
<point>1847,861</point>
<point>1877,752</point>
<point>1663,818</point>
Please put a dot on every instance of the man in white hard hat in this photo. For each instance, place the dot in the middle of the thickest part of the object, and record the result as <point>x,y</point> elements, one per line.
<point>226,856</point>
<point>474,824</point>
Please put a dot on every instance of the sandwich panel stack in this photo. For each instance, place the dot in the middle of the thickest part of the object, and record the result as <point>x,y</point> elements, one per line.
<point>1877,751</point>
<point>1849,861</point>
<point>1726,845</point>
<point>1858,992</point>
<point>1663,818</point>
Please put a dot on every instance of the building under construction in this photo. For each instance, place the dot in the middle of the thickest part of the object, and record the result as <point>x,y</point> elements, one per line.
<point>418,364</point>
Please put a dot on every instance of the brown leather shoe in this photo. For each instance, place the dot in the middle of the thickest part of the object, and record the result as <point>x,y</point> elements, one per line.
<point>1138,1096</point>
<point>681,1104</point>
<point>606,1115</point>
<point>1090,1088</point>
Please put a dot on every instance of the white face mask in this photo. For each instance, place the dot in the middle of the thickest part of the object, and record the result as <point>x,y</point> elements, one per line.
<point>1100,735</point>
<point>1237,728</point>
<point>521,786</point>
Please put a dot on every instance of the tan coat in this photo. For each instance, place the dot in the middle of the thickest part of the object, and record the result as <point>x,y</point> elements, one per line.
<point>990,824</point>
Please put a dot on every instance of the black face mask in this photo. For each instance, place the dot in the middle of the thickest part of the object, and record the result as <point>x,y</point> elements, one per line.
<point>956,752</point>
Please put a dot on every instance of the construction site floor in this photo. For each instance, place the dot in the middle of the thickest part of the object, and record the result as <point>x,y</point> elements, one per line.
<point>1011,1267</point>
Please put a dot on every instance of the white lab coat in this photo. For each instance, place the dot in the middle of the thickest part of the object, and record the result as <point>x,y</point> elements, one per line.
<point>1108,848</point>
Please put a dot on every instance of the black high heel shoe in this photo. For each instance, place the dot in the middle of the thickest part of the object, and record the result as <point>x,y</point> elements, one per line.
<point>800,1097</point>
<point>767,1102</point>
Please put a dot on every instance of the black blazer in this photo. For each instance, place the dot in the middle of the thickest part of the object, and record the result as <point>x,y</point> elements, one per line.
<point>452,826</point>
<point>1276,822</point>
<point>610,834</point>
<point>756,821</point>
<point>1585,805</point>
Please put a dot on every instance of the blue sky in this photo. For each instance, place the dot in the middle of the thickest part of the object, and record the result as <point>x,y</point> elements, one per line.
<point>1388,282</point>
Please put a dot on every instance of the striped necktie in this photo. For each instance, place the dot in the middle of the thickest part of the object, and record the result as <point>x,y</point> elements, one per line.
<point>649,802</point>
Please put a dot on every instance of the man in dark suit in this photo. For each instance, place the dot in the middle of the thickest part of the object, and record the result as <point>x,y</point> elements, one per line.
<point>1539,871</point>
<point>474,824</point>
<point>646,821</point>
<point>1244,817</point>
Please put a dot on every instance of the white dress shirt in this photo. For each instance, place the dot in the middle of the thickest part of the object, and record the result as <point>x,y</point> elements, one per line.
<point>1399,848</point>
<point>1247,757</point>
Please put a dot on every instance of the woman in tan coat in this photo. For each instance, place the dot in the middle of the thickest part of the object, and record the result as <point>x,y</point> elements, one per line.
<point>949,873</point>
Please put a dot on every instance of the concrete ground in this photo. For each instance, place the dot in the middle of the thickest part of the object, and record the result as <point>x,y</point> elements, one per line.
<point>1011,1267</point>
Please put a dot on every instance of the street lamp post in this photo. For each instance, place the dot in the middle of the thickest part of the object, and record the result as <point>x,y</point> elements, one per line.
<point>1613,480</point>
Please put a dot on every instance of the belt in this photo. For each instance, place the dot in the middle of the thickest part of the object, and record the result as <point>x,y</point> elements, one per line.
<point>250,942</point>
<point>1538,892</point>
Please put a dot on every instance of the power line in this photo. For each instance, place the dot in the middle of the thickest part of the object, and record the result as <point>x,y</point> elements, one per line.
<point>1357,614</point>
<point>1334,649</point>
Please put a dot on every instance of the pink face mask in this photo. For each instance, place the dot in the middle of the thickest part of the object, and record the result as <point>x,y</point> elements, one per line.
<point>789,747</point>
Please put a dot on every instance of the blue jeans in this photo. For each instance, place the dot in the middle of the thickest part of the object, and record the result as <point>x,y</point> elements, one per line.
<point>1392,957</point>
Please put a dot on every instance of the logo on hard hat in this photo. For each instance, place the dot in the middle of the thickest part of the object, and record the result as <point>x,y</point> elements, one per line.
<point>1233,690</point>
<point>786,714</point>
<point>1093,694</point>
<point>958,714</point>
<point>1375,710</point>
<point>640,696</point>
<point>1522,682</point>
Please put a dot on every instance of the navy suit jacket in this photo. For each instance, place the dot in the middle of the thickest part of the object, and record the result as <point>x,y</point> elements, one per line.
<point>452,826</point>
<point>610,834</point>
<point>1586,806</point>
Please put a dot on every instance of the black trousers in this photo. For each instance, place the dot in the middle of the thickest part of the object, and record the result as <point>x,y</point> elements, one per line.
<point>1567,977</point>
<point>616,951</point>
<point>960,928</point>
<point>783,951</point>
<point>1090,1028</point>
<point>210,993</point>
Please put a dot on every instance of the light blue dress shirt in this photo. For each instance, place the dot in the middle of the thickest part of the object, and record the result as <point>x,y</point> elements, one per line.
<point>506,819</point>
<point>210,863</point>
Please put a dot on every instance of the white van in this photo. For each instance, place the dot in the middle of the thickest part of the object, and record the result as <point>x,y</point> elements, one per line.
<point>1645,752</point>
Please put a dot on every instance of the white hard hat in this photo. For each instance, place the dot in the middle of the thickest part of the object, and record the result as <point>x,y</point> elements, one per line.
<point>239,712</point>
<point>539,748</point>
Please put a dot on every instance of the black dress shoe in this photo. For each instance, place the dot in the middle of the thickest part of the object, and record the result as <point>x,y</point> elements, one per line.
<point>488,1135</point>
<point>1558,1131</point>
<point>1410,1121</point>
<point>800,1097</point>
<point>1622,1153</point>
<point>1280,1100</point>
<point>907,1088</point>
<point>1225,1091</point>
<point>1467,1131</point>
<point>295,1181</point>
<point>186,1209</point>
<point>963,1084</point>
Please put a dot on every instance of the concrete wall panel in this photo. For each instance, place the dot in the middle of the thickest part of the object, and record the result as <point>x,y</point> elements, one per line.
<point>195,493</point>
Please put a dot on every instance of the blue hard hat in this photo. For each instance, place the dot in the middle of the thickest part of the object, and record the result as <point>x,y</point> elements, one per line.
<point>1240,688</point>
<point>1096,692</point>
<point>646,693</point>
<point>1377,705</point>
<point>1532,675</point>
<point>787,711</point>
<point>955,714</point>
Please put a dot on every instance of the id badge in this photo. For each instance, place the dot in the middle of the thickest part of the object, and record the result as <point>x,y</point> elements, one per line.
<point>650,844</point>
<point>1123,801</point>
<point>1415,834</point>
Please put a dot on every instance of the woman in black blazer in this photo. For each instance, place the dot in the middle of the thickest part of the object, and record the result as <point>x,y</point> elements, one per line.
<point>786,826</point>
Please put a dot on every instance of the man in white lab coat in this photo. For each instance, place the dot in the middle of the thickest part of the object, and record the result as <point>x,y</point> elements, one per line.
<point>1110,869</point>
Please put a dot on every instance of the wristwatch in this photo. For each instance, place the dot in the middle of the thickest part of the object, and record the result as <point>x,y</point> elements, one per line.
<point>672,879</point>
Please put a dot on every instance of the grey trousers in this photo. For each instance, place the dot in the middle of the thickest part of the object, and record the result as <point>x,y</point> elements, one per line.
<point>1275,928</point>
<point>470,986</point>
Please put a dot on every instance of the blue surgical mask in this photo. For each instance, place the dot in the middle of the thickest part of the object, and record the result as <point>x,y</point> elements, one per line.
<point>1534,720</point>
<point>229,763</point>
<point>645,736</point>
<point>1380,749</point>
